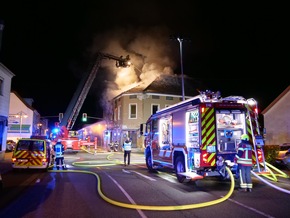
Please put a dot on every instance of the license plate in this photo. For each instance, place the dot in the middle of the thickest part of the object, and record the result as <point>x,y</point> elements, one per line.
<point>22,160</point>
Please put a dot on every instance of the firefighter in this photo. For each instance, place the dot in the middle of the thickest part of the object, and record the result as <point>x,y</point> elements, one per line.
<point>244,160</point>
<point>127,146</point>
<point>59,154</point>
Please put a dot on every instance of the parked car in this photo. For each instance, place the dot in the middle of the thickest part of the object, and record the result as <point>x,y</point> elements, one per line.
<point>283,157</point>
<point>10,145</point>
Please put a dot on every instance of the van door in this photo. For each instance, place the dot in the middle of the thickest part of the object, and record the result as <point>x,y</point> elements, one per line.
<point>38,158</point>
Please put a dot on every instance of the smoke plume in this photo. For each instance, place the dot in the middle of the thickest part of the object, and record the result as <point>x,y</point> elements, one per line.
<point>150,52</point>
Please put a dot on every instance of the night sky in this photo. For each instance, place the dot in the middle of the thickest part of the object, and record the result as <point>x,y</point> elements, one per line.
<point>240,49</point>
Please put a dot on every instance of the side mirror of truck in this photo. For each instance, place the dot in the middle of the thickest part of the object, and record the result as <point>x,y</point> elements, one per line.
<point>141,129</point>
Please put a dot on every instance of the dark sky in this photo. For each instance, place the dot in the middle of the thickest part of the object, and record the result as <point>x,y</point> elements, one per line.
<point>236,48</point>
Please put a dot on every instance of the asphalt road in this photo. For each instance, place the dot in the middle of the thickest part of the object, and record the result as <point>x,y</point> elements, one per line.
<point>101,186</point>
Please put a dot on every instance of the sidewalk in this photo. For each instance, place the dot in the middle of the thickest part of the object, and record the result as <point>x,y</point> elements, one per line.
<point>5,162</point>
<point>5,165</point>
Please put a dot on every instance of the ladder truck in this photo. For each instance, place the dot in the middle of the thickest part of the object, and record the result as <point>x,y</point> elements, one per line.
<point>69,117</point>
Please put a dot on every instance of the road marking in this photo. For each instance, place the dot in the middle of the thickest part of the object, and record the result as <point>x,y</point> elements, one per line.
<point>250,208</point>
<point>146,177</point>
<point>126,171</point>
<point>127,195</point>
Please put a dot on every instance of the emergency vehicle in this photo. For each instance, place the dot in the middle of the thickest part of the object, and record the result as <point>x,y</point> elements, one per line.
<point>32,153</point>
<point>199,137</point>
<point>63,129</point>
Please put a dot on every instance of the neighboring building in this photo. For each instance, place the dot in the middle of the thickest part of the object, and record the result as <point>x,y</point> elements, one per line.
<point>277,119</point>
<point>24,120</point>
<point>135,106</point>
<point>5,88</point>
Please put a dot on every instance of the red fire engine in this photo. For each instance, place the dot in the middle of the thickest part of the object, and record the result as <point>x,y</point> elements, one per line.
<point>199,137</point>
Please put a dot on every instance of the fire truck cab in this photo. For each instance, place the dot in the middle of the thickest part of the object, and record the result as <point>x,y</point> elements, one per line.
<point>199,137</point>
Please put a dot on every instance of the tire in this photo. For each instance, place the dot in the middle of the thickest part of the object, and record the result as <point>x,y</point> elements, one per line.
<point>180,168</point>
<point>149,162</point>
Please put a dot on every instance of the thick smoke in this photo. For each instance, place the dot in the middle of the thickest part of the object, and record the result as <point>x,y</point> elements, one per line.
<point>150,51</point>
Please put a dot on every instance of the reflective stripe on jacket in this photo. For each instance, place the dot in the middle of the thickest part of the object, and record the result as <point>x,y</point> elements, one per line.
<point>58,149</point>
<point>127,145</point>
<point>244,155</point>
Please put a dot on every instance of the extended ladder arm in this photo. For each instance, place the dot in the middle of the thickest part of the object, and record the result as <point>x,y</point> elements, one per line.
<point>80,95</point>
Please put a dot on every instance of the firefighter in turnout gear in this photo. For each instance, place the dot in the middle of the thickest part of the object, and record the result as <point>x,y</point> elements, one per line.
<point>244,160</point>
<point>59,154</point>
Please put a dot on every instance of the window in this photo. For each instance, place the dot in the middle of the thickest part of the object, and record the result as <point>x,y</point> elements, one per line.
<point>132,111</point>
<point>1,86</point>
<point>155,97</point>
<point>132,96</point>
<point>154,108</point>
<point>23,146</point>
<point>169,98</point>
<point>37,146</point>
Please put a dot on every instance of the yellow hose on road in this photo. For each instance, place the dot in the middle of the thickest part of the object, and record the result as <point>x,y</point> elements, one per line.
<point>269,174</point>
<point>154,207</point>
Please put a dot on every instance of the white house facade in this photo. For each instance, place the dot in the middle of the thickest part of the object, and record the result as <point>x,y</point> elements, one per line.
<point>277,119</point>
<point>5,88</point>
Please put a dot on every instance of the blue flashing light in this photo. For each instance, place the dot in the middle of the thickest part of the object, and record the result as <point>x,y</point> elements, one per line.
<point>55,130</point>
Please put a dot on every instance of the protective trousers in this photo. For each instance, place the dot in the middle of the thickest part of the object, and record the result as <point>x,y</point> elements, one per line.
<point>127,154</point>
<point>245,176</point>
<point>59,162</point>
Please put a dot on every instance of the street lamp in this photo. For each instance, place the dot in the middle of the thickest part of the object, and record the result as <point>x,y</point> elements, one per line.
<point>180,40</point>
<point>20,115</point>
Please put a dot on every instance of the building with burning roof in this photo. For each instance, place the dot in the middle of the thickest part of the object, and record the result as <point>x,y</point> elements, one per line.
<point>136,105</point>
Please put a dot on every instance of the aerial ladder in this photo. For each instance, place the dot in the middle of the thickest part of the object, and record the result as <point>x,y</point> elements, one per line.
<point>69,117</point>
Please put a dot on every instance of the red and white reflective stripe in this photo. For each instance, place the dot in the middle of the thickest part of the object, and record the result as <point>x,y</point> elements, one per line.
<point>165,153</point>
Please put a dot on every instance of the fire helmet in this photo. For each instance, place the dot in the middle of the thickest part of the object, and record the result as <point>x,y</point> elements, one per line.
<point>245,137</point>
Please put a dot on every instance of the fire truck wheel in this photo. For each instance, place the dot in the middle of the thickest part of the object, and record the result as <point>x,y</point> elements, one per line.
<point>180,168</point>
<point>149,162</point>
